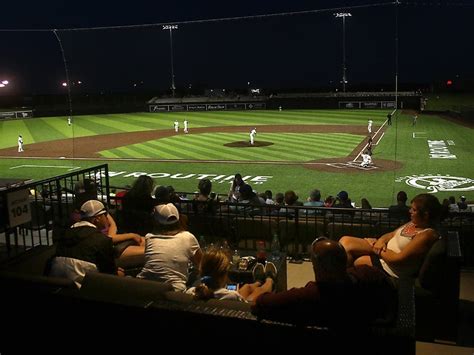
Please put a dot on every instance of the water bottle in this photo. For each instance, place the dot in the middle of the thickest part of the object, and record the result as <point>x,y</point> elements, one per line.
<point>236,258</point>
<point>202,243</point>
<point>261,252</point>
<point>226,249</point>
<point>275,248</point>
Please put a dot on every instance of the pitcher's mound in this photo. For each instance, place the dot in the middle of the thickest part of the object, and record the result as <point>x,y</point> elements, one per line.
<point>246,144</point>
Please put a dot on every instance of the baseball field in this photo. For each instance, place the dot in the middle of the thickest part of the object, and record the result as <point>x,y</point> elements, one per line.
<point>294,149</point>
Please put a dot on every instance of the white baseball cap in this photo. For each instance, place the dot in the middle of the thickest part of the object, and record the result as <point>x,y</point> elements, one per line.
<point>166,214</point>
<point>92,208</point>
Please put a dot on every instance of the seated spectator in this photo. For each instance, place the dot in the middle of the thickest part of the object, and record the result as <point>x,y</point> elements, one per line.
<point>234,192</point>
<point>137,206</point>
<point>365,204</point>
<point>203,202</point>
<point>343,200</point>
<point>125,244</point>
<point>84,242</point>
<point>453,206</point>
<point>162,195</point>
<point>314,200</point>
<point>291,199</point>
<point>329,201</point>
<point>269,197</point>
<point>174,198</point>
<point>214,268</point>
<point>401,252</point>
<point>279,199</point>
<point>400,211</point>
<point>338,297</point>
<point>120,195</point>
<point>462,204</point>
<point>169,250</point>
<point>249,197</point>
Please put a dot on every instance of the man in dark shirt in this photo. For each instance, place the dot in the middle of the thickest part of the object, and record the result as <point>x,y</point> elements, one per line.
<point>85,241</point>
<point>400,211</point>
<point>338,297</point>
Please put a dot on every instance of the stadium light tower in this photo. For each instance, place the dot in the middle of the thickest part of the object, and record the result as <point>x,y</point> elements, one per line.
<point>171,28</point>
<point>343,15</point>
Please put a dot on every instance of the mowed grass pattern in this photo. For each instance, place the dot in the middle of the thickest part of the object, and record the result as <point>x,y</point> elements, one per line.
<point>211,146</point>
<point>44,129</point>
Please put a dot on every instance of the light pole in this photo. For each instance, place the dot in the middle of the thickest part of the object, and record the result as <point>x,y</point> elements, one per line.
<point>171,28</point>
<point>343,15</point>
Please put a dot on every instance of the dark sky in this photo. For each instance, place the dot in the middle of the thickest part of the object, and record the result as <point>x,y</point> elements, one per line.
<point>292,51</point>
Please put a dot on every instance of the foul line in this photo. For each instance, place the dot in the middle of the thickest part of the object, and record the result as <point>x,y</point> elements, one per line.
<point>272,162</point>
<point>70,168</point>
<point>378,141</point>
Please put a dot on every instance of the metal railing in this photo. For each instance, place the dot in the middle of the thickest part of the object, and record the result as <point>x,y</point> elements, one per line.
<point>50,202</point>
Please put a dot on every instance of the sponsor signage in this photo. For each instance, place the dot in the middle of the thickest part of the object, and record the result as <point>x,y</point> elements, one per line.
<point>235,106</point>
<point>197,107</point>
<point>439,150</point>
<point>158,108</point>
<point>216,107</point>
<point>388,104</point>
<point>256,105</point>
<point>215,178</point>
<point>371,104</point>
<point>349,104</point>
<point>24,114</point>
<point>435,183</point>
<point>177,107</point>
<point>7,115</point>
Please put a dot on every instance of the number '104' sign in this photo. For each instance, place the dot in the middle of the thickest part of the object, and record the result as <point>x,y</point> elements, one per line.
<point>18,208</point>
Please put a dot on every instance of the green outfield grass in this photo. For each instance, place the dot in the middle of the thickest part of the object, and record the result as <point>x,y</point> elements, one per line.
<point>273,172</point>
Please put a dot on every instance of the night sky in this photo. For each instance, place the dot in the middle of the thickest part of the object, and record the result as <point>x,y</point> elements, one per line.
<point>273,52</point>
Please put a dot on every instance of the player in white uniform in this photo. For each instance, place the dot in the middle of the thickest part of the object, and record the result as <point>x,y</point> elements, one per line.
<point>366,159</point>
<point>185,126</point>
<point>369,126</point>
<point>176,126</point>
<point>253,133</point>
<point>20,144</point>
<point>69,120</point>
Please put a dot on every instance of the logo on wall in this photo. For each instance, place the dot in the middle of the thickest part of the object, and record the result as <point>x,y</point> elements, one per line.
<point>435,183</point>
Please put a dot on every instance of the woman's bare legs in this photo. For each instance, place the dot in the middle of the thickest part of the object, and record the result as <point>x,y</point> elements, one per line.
<point>356,247</point>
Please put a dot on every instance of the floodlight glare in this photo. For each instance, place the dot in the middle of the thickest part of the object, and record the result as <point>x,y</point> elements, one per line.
<point>5,82</point>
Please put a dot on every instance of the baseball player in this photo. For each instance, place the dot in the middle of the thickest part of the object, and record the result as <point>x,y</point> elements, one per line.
<point>185,126</point>
<point>20,144</point>
<point>369,126</point>
<point>253,133</point>
<point>176,126</point>
<point>69,120</point>
<point>366,159</point>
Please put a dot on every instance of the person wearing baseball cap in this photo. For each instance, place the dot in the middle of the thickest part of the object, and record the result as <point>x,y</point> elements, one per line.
<point>343,200</point>
<point>169,249</point>
<point>83,247</point>
<point>462,204</point>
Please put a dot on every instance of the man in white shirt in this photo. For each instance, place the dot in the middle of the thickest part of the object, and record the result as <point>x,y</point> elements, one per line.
<point>185,126</point>
<point>176,126</point>
<point>369,126</point>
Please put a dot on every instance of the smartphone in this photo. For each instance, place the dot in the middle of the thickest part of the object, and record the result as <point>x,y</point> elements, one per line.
<point>231,287</point>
